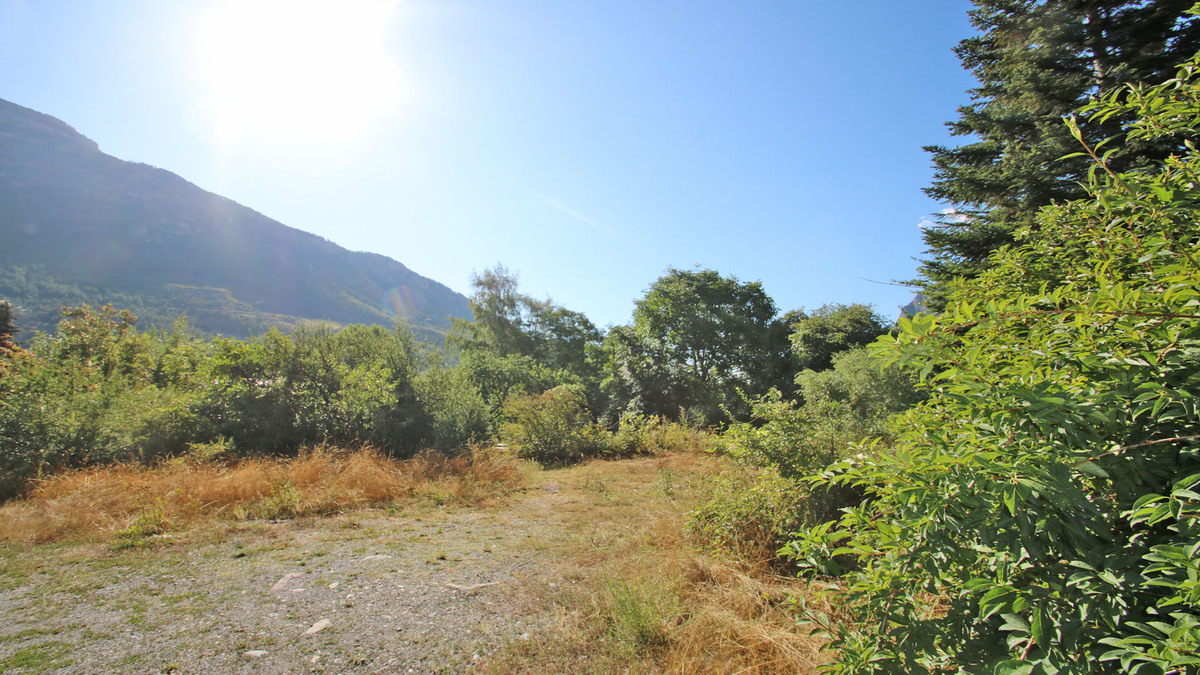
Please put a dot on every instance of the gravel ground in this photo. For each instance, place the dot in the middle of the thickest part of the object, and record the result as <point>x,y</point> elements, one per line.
<point>367,592</point>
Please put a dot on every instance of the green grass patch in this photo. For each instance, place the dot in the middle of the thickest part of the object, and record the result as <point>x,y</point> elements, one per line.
<point>38,658</point>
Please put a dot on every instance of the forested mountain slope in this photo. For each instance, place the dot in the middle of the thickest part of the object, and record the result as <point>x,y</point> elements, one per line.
<point>78,225</point>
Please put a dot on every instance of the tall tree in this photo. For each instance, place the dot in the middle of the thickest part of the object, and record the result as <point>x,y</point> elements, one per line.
<point>698,339</point>
<point>1036,61</point>
<point>513,334</point>
<point>499,315</point>
<point>831,329</point>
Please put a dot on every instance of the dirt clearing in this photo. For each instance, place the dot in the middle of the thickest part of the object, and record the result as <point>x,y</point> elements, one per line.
<point>505,587</point>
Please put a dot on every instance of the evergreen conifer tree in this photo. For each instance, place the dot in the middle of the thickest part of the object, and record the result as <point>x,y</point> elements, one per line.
<point>1037,61</point>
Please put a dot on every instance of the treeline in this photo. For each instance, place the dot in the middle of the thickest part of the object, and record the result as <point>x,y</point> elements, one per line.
<point>701,351</point>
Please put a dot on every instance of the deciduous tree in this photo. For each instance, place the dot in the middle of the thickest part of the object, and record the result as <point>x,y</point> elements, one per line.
<point>697,340</point>
<point>831,329</point>
<point>8,330</point>
<point>515,328</point>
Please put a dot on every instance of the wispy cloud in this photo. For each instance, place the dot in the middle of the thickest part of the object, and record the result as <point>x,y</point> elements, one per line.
<point>948,215</point>
<point>548,201</point>
<point>570,212</point>
<point>953,215</point>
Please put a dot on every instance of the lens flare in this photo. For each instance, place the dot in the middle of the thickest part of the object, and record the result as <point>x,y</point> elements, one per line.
<point>400,303</point>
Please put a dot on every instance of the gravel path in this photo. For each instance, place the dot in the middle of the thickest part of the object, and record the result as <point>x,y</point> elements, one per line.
<point>433,592</point>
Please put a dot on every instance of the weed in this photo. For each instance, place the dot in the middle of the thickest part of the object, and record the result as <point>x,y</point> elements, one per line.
<point>282,502</point>
<point>747,516</point>
<point>200,454</point>
<point>148,523</point>
<point>666,478</point>
<point>641,612</point>
<point>32,632</point>
<point>643,600</point>
<point>14,569</point>
<point>598,486</point>
<point>640,435</point>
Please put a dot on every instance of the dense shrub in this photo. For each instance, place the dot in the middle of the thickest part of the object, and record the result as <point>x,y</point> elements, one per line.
<point>499,378</point>
<point>278,392</point>
<point>842,408</point>
<point>748,515</point>
<point>1040,512</point>
<point>552,428</point>
<point>458,414</point>
<point>88,395</point>
<point>99,391</point>
<point>649,435</point>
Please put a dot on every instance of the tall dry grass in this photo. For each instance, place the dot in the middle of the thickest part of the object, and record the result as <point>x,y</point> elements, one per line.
<point>648,599</point>
<point>101,502</point>
<point>741,621</point>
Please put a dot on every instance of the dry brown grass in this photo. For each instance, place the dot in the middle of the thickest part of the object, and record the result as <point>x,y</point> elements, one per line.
<point>103,502</point>
<point>632,594</point>
<point>649,601</point>
<point>741,621</point>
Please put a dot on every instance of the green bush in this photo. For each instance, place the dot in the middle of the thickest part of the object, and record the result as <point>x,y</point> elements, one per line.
<point>843,409</point>
<point>88,394</point>
<point>748,515</point>
<point>458,414</point>
<point>98,391</point>
<point>1040,513</point>
<point>277,393</point>
<point>498,378</point>
<point>552,428</point>
<point>642,612</point>
<point>780,436</point>
<point>650,435</point>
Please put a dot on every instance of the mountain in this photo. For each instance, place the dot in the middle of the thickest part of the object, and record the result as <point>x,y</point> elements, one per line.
<point>77,225</point>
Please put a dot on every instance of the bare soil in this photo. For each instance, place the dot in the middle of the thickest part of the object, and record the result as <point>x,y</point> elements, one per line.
<point>428,590</point>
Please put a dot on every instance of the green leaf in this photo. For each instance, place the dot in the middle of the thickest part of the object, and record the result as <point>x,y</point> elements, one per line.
<point>1010,500</point>
<point>1014,623</point>
<point>1036,626</point>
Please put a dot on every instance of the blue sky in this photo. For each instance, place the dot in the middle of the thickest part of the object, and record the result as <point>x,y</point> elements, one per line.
<point>587,146</point>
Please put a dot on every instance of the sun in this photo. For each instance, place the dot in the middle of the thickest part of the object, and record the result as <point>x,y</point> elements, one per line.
<point>283,74</point>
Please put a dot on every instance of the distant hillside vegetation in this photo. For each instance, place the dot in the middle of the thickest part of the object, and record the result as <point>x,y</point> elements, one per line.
<point>77,225</point>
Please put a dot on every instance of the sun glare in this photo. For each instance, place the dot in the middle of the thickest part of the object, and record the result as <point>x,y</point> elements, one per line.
<point>285,75</point>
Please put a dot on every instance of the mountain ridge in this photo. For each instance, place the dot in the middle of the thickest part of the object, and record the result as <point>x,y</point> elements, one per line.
<point>79,225</point>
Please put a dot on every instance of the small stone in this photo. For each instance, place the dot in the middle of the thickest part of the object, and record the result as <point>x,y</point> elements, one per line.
<point>333,585</point>
<point>318,627</point>
<point>256,653</point>
<point>378,556</point>
<point>284,581</point>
